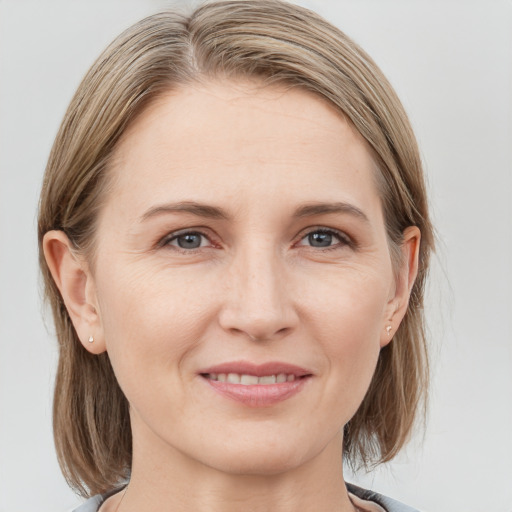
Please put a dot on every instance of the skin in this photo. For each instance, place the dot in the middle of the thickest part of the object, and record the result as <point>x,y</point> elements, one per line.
<point>258,289</point>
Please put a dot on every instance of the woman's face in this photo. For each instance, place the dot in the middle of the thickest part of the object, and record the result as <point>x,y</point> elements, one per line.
<point>242,278</point>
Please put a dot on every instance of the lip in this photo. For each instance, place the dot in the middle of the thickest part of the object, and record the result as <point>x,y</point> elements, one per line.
<point>259,370</point>
<point>257,395</point>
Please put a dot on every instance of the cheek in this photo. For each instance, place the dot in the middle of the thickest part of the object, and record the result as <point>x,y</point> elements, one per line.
<point>348,303</point>
<point>150,320</point>
<point>346,319</point>
<point>353,344</point>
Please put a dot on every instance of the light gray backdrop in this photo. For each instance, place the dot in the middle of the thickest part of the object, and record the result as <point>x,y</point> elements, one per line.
<point>451,63</point>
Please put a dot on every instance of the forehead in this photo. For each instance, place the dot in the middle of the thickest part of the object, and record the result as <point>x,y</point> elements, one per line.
<point>221,137</point>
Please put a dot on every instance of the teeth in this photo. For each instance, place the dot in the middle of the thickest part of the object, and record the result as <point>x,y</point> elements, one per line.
<point>246,380</point>
<point>233,378</point>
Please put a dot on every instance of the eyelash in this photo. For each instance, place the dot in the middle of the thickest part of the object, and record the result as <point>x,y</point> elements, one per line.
<point>166,241</point>
<point>343,240</point>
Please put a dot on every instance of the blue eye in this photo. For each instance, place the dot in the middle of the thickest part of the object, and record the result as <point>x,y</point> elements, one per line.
<point>324,238</point>
<point>189,240</point>
<point>319,239</point>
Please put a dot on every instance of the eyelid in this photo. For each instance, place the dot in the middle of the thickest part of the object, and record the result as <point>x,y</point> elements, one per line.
<point>341,235</point>
<point>169,237</point>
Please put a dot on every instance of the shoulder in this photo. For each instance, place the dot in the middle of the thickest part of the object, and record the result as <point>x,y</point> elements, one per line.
<point>93,504</point>
<point>388,504</point>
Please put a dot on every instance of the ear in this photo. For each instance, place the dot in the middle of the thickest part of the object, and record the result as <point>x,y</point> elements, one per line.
<point>406,275</point>
<point>76,285</point>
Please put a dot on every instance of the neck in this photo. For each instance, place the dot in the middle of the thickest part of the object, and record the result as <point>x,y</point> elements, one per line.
<point>167,480</point>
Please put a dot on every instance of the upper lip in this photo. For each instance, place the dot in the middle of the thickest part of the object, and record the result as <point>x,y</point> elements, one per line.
<point>258,370</point>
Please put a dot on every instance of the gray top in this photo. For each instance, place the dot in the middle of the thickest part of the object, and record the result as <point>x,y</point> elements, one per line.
<point>94,503</point>
<point>385,502</point>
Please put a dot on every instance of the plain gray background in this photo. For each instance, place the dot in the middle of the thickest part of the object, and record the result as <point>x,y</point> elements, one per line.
<point>451,63</point>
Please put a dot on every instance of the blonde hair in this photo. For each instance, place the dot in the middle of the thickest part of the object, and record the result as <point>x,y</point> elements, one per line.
<point>276,43</point>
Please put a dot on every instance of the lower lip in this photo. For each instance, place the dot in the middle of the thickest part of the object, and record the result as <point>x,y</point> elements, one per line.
<point>258,395</point>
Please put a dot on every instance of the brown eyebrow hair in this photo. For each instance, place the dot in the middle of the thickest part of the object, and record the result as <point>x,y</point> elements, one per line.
<point>199,209</point>
<point>322,208</point>
<point>214,212</point>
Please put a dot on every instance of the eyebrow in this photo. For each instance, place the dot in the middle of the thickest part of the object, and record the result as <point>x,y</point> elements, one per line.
<point>312,209</point>
<point>198,209</point>
<point>214,212</point>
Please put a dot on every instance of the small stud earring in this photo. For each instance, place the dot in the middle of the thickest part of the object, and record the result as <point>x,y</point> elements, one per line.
<point>388,329</point>
<point>91,339</point>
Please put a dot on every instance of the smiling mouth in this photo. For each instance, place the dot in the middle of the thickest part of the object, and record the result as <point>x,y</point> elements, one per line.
<point>256,386</point>
<point>248,380</point>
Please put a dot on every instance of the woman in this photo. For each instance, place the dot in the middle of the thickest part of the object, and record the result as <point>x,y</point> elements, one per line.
<point>234,237</point>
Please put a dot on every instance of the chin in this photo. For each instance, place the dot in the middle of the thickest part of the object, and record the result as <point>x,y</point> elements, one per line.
<point>258,465</point>
<point>263,458</point>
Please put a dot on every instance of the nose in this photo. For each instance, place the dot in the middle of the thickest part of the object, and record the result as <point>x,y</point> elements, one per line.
<point>258,302</point>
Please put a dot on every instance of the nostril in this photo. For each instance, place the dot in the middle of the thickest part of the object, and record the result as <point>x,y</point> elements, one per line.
<point>258,321</point>
<point>267,337</point>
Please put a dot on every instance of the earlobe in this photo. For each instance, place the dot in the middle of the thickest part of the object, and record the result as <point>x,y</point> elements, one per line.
<point>406,276</point>
<point>76,286</point>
